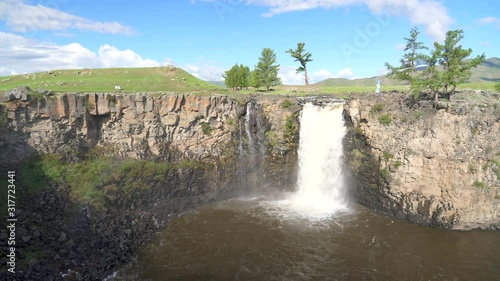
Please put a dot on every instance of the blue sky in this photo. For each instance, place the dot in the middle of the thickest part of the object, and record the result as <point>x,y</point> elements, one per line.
<point>347,38</point>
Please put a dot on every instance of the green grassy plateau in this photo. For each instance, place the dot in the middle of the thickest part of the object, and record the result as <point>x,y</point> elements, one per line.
<point>172,79</point>
<point>150,79</point>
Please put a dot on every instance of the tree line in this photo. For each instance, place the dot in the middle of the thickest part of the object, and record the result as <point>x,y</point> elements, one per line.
<point>438,72</point>
<point>265,73</point>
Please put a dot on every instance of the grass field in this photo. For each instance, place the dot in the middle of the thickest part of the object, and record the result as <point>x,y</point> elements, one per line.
<point>172,79</point>
<point>151,79</point>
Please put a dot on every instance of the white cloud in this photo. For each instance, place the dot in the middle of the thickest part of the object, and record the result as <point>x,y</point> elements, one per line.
<point>289,75</point>
<point>23,55</point>
<point>204,71</point>
<point>382,72</point>
<point>113,57</point>
<point>430,13</point>
<point>21,17</point>
<point>345,73</point>
<point>400,46</point>
<point>488,20</point>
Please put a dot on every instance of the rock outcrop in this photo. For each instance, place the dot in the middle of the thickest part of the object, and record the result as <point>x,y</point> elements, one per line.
<point>217,147</point>
<point>438,167</point>
<point>136,126</point>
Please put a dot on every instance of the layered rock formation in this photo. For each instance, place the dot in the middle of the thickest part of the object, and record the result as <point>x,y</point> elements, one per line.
<point>223,140</point>
<point>136,126</point>
<point>438,167</point>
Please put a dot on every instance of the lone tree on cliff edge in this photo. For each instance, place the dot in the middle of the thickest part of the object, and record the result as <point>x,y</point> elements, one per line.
<point>454,62</point>
<point>447,66</point>
<point>412,58</point>
<point>267,69</point>
<point>302,57</point>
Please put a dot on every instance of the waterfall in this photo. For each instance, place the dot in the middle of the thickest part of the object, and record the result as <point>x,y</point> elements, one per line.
<point>251,148</point>
<point>321,190</point>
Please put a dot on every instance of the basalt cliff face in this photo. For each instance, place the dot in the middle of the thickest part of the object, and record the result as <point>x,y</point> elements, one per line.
<point>169,153</point>
<point>434,167</point>
<point>438,167</point>
<point>133,126</point>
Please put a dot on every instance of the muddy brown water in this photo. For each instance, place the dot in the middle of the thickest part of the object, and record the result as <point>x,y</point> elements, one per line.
<point>255,239</point>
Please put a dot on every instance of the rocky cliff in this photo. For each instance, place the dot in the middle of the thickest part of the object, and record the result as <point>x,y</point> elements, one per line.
<point>113,168</point>
<point>438,167</point>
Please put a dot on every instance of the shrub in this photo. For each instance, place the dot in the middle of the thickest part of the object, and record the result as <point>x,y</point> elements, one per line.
<point>286,104</point>
<point>111,99</point>
<point>290,131</point>
<point>497,87</point>
<point>388,156</point>
<point>3,117</point>
<point>376,108</point>
<point>479,184</point>
<point>398,164</point>
<point>472,169</point>
<point>386,175</point>
<point>385,119</point>
<point>206,129</point>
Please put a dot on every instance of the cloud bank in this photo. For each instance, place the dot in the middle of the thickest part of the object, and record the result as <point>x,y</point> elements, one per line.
<point>21,17</point>
<point>23,55</point>
<point>429,13</point>
<point>289,75</point>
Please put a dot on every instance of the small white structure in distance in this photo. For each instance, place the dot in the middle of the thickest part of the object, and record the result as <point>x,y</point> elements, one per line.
<point>117,88</point>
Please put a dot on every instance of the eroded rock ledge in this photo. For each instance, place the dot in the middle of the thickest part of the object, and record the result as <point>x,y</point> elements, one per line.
<point>215,146</point>
<point>436,167</point>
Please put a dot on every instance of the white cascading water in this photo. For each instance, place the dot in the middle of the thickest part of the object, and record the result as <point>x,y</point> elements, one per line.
<point>321,191</point>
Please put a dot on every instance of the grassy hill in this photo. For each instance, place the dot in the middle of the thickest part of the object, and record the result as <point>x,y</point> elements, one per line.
<point>169,78</point>
<point>488,71</point>
<point>149,79</point>
<point>484,76</point>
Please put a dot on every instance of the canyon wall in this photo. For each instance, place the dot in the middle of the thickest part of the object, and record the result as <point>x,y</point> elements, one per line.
<point>155,156</point>
<point>438,167</point>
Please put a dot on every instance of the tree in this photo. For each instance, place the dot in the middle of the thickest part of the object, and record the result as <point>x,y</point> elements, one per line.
<point>244,76</point>
<point>455,62</point>
<point>302,57</point>
<point>447,66</point>
<point>230,77</point>
<point>412,58</point>
<point>267,69</point>
<point>237,77</point>
<point>254,79</point>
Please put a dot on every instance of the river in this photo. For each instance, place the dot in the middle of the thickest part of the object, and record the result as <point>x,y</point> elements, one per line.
<point>314,233</point>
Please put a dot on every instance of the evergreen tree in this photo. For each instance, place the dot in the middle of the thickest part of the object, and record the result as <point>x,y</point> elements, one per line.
<point>412,58</point>
<point>267,69</point>
<point>447,66</point>
<point>237,77</point>
<point>230,77</point>
<point>244,76</point>
<point>254,79</point>
<point>455,61</point>
<point>303,58</point>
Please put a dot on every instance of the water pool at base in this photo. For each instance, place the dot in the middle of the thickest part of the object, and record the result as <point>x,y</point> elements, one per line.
<point>255,239</point>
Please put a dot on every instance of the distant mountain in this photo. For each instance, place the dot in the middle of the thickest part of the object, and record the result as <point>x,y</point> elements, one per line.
<point>488,71</point>
<point>218,83</point>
